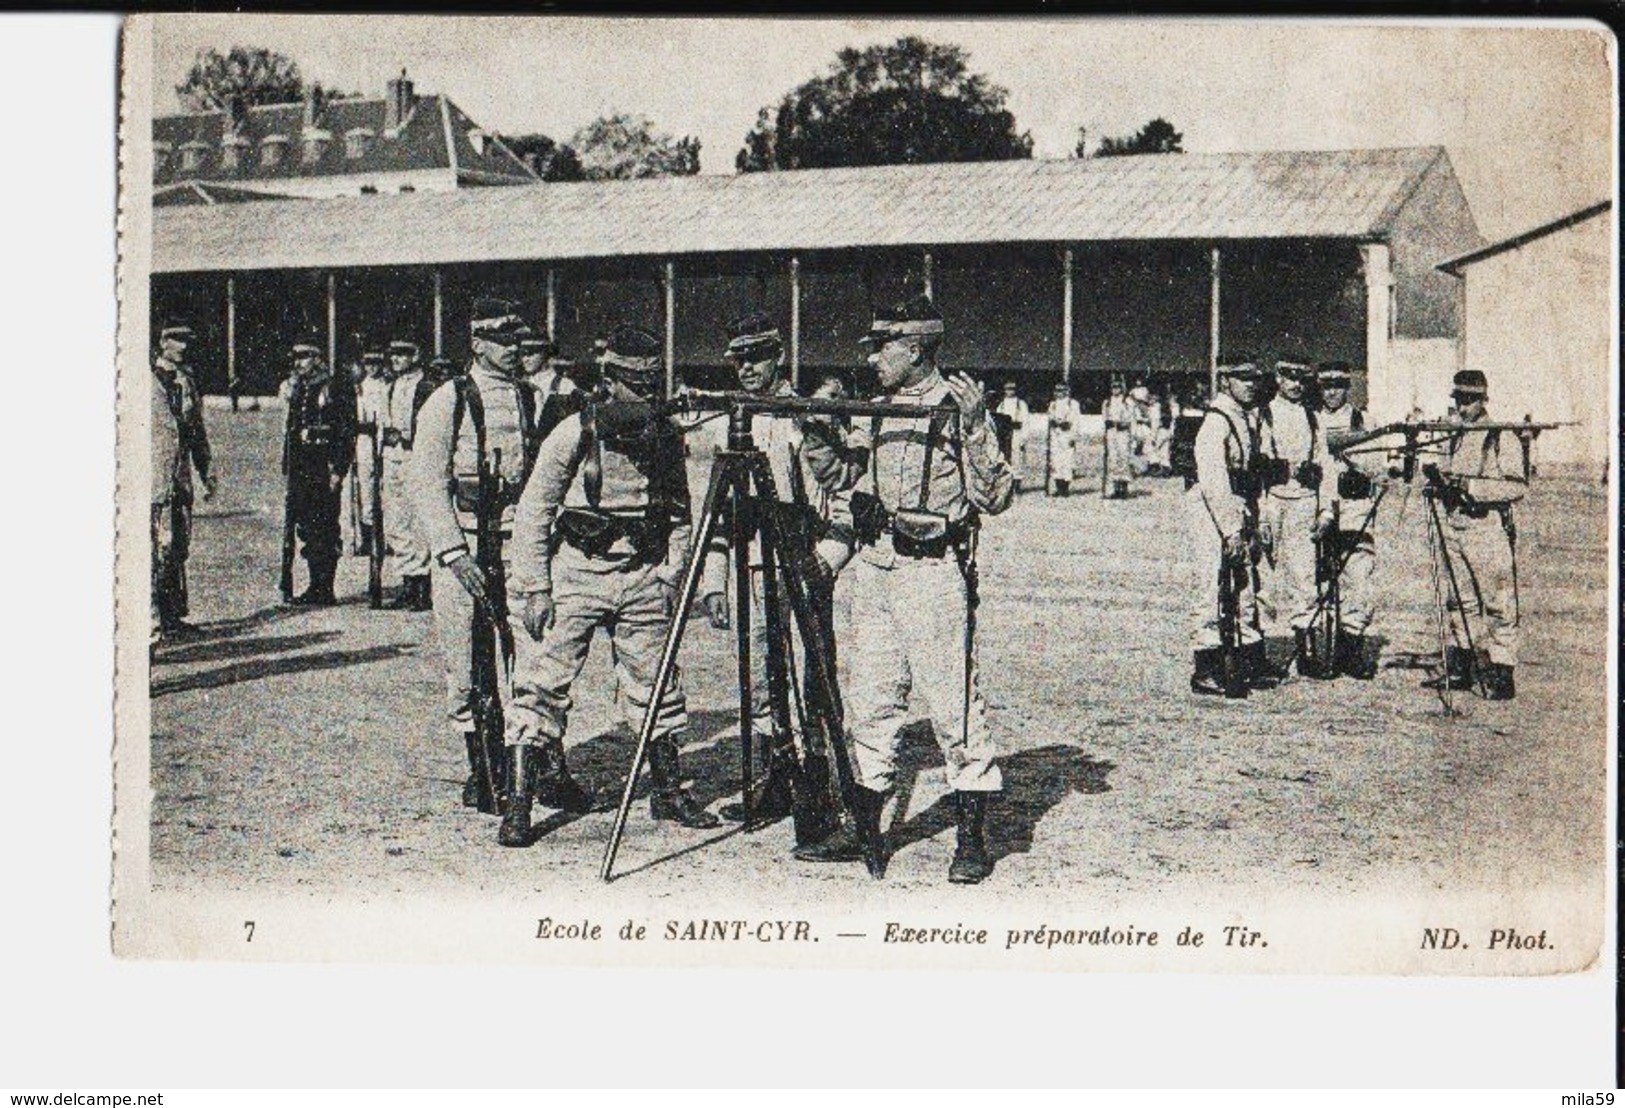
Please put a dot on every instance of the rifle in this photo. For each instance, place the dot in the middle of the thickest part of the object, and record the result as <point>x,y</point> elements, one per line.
<point>490,630</point>
<point>1429,435</point>
<point>285,582</point>
<point>1326,621</point>
<point>1234,669</point>
<point>375,553</point>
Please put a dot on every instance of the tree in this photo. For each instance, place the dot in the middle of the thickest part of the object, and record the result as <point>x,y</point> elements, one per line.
<point>621,147</point>
<point>910,102</point>
<point>546,157</point>
<point>1082,149</point>
<point>253,73</point>
<point>1156,137</point>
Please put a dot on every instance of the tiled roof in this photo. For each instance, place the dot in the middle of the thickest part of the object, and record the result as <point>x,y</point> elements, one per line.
<point>1353,194</point>
<point>420,144</point>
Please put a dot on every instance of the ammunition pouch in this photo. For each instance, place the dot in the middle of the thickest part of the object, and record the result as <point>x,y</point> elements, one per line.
<point>595,533</point>
<point>869,517</point>
<point>1269,472</point>
<point>1353,485</point>
<point>393,437</point>
<point>1243,483</point>
<point>1062,425</point>
<point>1307,474</point>
<point>466,494</point>
<point>1116,425</point>
<point>918,526</point>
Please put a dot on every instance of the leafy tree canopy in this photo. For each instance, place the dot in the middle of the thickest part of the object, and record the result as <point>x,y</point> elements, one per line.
<point>1156,137</point>
<point>912,101</point>
<point>621,147</point>
<point>257,75</point>
<point>550,160</point>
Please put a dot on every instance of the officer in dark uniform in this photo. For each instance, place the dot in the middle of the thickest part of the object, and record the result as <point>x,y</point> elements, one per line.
<point>318,444</point>
<point>556,395</point>
<point>179,444</point>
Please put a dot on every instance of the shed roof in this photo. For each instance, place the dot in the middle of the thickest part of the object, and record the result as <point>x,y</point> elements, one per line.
<point>1352,194</point>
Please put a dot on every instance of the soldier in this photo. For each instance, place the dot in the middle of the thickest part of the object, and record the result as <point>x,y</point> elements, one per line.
<point>404,388</point>
<point>1117,419</point>
<point>1222,511</point>
<point>1011,418</point>
<point>1297,509</point>
<point>179,443</point>
<point>600,540</point>
<point>1483,476</point>
<point>371,391</point>
<point>318,449</point>
<point>1065,419</point>
<point>1151,438</point>
<point>482,418</point>
<point>556,394</point>
<point>809,467</point>
<point>913,516</point>
<point>1352,545</point>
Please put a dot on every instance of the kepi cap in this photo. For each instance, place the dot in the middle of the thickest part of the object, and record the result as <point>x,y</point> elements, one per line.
<point>496,320</point>
<point>1335,375</point>
<point>914,318</point>
<point>754,337</point>
<point>633,357</point>
<point>1470,382</point>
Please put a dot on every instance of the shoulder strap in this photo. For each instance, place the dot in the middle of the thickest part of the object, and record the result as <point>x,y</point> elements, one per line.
<point>1356,420</point>
<point>591,452</point>
<point>933,429</point>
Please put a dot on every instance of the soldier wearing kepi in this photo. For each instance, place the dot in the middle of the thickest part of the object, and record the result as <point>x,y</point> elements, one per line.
<point>179,443</point>
<point>556,394</point>
<point>809,467</point>
<point>372,392</point>
<point>1221,504</point>
<point>319,446</point>
<point>1485,473</point>
<point>600,540</point>
<point>1117,418</point>
<point>405,389</point>
<point>1297,508</point>
<point>482,419</point>
<point>1065,419</point>
<point>914,516</point>
<point>1352,545</point>
<point>1011,418</point>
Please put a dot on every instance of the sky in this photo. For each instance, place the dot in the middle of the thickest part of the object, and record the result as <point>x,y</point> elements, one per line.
<point>1526,111</point>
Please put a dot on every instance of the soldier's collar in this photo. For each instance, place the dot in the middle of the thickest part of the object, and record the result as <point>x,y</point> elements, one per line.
<point>931,381</point>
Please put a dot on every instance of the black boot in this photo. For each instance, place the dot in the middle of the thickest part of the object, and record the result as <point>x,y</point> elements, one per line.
<point>1119,490</point>
<point>1351,657</point>
<point>421,601</point>
<point>845,844</point>
<point>772,796</point>
<point>1206,679</point>
<point>1063,488</point>
<point>1261,672</point>
<point>814,811</point>
<point>519,774</point>
<point>1458,671</point>
<point>320,592</point>
<point>667,800</point>
<point>1498,682</point>
<point>971,863</point>
<point>477,790</point>
<point>554,787</point>
<point>1311,662</point>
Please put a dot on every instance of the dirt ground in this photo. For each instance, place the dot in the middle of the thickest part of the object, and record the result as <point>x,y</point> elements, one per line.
<point>305,750</point>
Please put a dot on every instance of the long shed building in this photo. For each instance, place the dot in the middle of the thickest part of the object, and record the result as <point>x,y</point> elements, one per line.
<point>1153,266</point>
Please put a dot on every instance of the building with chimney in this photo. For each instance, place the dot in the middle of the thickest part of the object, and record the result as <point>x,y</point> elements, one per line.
<point>327,147</point>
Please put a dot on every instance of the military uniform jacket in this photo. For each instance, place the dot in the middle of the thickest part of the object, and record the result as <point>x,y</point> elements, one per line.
<point>320,426</point>
<point>556,397</point>
<point>642,482</point>
<point>370,400</point>
<point>446,456</point>
<point>1225,446</point>
<point>1015,409</point>
<point>1489,467</point>
<point>179,441</point>
<point>1065,415</point>
<point>400,398</point>
<point>968,472</point>
<point>1291,432</point>
<point>1118,413</point>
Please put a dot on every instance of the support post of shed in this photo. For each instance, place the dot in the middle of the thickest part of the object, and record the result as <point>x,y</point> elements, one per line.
<point>439,314</point>
<point>671,326</point>
<point>1066,315</point>
<point>795,321</point>
<point>232,384</point>
<point>928,274</point>
<point>332,320</point>
<point>1214,263</point>
<point>553,303</point>
<point>1385,398</point>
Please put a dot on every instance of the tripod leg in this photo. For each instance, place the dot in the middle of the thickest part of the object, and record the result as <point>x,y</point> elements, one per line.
<point>741,529</point>
<point>1442,611</point>
<point>1461,603</point>
<point>723,479</point>
<point>816,636</point>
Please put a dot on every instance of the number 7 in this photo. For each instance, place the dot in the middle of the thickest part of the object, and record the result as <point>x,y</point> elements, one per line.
<point>249,924</point>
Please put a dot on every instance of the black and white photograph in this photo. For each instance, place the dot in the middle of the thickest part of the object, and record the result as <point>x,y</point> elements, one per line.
<point>1032,494</point>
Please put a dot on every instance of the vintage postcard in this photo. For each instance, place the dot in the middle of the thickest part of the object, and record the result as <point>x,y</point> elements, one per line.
<point>1073,495</point>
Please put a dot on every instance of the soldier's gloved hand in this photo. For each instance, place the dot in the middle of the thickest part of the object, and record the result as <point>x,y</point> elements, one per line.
<point>716,610</point>
<point>538,614</point>
<point>1235,548</point>
<point>335,482</point>
<point>209,486</point>
<point>1323,525</point>
<point>1266,535</point>
<point>469,576</point>
<point>668,598</point>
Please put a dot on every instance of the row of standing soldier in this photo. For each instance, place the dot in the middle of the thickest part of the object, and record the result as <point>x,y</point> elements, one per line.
<point>1268,500</point>
<point>1135,437</point>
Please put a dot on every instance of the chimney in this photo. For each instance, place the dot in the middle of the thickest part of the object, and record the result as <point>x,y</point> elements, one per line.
<point>313,106</point>
<point>236,113</point>
<point>398,102</point>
